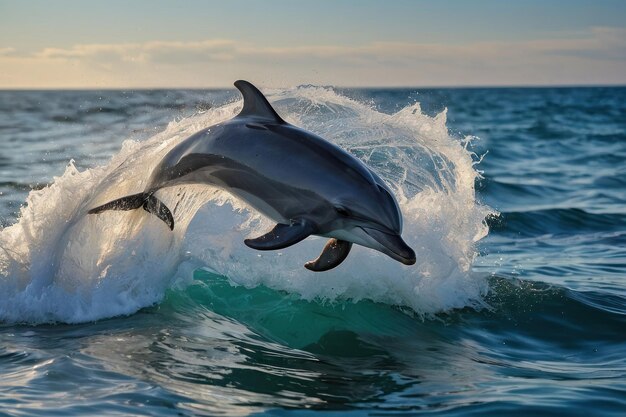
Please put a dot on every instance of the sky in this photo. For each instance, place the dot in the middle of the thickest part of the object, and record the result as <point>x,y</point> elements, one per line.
<point>351,43</point>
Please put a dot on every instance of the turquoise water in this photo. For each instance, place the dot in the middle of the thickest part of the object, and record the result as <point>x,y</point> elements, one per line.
<point>118,316</point>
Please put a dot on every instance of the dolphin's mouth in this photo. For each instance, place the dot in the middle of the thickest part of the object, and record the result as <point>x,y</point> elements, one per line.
<point>392,245</point>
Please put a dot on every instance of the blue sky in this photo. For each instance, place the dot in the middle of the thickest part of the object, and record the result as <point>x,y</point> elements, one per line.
<point>141,43</point>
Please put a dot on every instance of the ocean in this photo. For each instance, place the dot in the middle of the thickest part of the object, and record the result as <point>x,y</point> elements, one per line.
<point>514,200</point>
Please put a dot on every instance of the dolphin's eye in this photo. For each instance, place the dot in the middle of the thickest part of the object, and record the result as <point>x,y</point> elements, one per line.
<point>343,211</point>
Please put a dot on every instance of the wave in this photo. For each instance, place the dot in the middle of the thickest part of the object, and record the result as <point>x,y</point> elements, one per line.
<point>556,221</point>
<point>59,264</point>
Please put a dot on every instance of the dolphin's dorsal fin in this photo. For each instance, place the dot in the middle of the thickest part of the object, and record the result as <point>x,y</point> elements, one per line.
<point>255,104</point>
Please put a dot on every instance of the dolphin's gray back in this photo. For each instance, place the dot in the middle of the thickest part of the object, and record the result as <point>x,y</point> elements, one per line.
<point>276,167</point>
<point>278,163</point>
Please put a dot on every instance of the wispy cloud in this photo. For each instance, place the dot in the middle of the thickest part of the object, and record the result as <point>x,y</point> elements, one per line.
<point>7,51</point>
<point>597,55</point>
<point>207,50</point>
<point>603,44</point>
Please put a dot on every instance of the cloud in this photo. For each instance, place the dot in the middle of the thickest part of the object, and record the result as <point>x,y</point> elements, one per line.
<point>603,44</point>
<point>207,50</point>
<point>597,55</point>
<point>7,51</point>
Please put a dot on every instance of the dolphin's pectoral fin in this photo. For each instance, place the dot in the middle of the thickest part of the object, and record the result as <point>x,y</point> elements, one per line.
<point>282,236</point>
<point>334,253</point>
<point>154,206</point>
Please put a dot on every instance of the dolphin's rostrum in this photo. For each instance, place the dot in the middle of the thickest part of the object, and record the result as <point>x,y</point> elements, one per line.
<point>304,183</point>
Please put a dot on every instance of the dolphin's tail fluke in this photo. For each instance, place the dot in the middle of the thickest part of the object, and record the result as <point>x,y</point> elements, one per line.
<point>148,201</point>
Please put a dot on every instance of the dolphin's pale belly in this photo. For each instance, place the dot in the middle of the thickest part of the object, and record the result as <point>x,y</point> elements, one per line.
<point>260,205</point>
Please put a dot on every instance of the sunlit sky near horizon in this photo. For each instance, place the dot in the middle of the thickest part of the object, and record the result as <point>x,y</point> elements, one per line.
<point>143,44</point>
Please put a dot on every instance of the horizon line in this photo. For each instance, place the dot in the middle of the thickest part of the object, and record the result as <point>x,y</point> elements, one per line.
<point>355,87</point>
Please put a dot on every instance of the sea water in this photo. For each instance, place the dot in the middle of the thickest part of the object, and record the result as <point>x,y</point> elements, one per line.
<point>513,199</point>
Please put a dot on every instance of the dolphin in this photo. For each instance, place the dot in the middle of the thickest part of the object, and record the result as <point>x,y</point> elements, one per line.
<point>306,184</point>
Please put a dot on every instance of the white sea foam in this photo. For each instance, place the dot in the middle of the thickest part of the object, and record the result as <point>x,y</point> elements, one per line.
<point>59,264</point>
